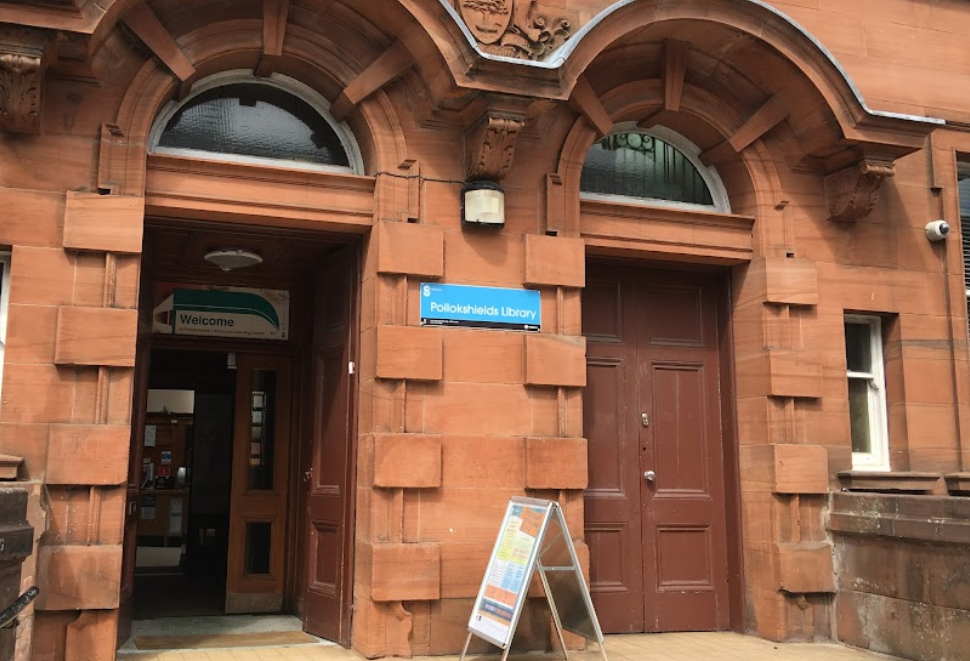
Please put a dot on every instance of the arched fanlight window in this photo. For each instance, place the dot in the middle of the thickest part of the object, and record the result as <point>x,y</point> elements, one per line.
<point>657,167</point>
<point>274,121</point>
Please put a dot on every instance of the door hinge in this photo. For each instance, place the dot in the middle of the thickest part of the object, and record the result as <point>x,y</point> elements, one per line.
<point>350,368</point>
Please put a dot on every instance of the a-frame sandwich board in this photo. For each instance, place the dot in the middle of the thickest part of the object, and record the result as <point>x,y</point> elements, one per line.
<point>533,538</point>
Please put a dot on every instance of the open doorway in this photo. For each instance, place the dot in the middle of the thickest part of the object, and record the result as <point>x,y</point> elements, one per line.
<point>243,429</point>
<point>183,525</point>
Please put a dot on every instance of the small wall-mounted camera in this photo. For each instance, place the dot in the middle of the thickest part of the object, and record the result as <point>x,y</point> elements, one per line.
<point>937,230</point>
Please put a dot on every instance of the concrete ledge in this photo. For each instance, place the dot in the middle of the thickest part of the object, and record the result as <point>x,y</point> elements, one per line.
<point>943,519</point>
<point>904,482</point>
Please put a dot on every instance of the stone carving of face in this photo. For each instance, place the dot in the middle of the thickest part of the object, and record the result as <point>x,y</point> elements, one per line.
<point>487,19</point>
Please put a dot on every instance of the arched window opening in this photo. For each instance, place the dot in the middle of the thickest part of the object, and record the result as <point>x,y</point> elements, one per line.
<point>655,167</point>
<point>242,119</point>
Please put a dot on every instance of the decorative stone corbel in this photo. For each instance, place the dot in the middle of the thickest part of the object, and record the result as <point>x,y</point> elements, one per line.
<point>491,139</point>
<point>852,191</point>
<point>22,66</point>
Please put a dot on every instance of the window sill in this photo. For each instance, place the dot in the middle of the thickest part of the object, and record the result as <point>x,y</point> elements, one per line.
<point>894,482</point>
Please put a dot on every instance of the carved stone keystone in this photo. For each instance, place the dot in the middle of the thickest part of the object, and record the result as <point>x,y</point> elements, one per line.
<point>852,192</point>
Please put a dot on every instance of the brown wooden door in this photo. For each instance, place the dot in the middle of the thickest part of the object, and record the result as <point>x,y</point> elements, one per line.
<point>257,517</point>
<point>658,545</point>
<point>331,455</point>
<point>126,605</point>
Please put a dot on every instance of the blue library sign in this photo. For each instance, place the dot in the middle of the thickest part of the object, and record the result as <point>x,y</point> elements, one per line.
<point>480,307</point>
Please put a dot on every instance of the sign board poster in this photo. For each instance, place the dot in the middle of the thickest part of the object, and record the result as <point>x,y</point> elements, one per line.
<point>202,310</point>
<point>466,306</point>
<point>509,572</point>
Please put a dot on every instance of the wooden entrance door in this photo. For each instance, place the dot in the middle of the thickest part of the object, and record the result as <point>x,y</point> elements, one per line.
<point>257,518</point>
<point>655,508</point>
<point>126,605</point>
<point>330,465</point>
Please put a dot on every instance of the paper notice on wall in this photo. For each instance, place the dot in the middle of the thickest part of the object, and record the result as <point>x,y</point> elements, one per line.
<point>506,579</point>
<point>150,432</point>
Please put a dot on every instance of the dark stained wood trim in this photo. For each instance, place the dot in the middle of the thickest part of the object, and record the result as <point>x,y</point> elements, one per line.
<point>350,516</point>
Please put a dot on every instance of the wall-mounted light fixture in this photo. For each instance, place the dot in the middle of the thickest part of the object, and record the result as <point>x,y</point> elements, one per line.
<point>232,258</point>
<point>483,203</point>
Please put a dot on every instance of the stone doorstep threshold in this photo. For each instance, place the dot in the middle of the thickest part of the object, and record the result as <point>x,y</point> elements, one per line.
<point>703,646</point>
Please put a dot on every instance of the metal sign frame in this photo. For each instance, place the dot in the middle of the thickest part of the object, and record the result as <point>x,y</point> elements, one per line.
<point>551,511</point>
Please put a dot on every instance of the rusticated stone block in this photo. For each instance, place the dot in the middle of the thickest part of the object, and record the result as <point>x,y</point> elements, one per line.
<point>109,223</point>
<point>554,261</point>
<point>556,463</point>
<point>404,572</point>
<point>407,460</point>
<point>787,469</point>
<point>78,577</point>
<point>408,352</point>
<point>555,360</point>
<point>88,454</point>
<point>806,567</point>
<point>410,249</point>
<point>781,280</point>
<point>95,336</point>
<point>794,374</point>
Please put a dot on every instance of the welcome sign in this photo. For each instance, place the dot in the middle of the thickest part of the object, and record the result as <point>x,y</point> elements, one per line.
<point>480,307</point>
<point>262,314</point>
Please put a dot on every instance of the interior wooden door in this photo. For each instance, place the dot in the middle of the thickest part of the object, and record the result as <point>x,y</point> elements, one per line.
<point>133,490</point>
<point>655,509</point>
<point>330,467</point>
<point>257,519</point>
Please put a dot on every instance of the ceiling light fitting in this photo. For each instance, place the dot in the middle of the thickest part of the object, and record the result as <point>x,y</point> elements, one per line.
<point>233,258</point>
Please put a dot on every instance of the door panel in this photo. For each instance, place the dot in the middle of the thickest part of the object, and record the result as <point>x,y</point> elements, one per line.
<point>330,463</point>
<point>257,520</point>
<point>613,496</point>
<point>671,427</point>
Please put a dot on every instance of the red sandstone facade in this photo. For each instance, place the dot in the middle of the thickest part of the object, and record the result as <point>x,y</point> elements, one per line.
<point>818,118</point>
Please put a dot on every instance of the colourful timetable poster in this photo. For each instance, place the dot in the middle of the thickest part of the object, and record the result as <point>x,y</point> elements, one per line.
<point>509,570</point>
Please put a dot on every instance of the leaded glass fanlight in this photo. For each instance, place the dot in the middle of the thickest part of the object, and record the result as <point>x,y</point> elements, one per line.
<point>253,121</point>
<point>643,166</point>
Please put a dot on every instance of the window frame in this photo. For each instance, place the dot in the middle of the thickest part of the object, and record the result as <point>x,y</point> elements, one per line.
<point>877,459</point>
<point>963,166</point>
<point>5,262</point>
<point>722,204</point>
<point>281,82</point>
